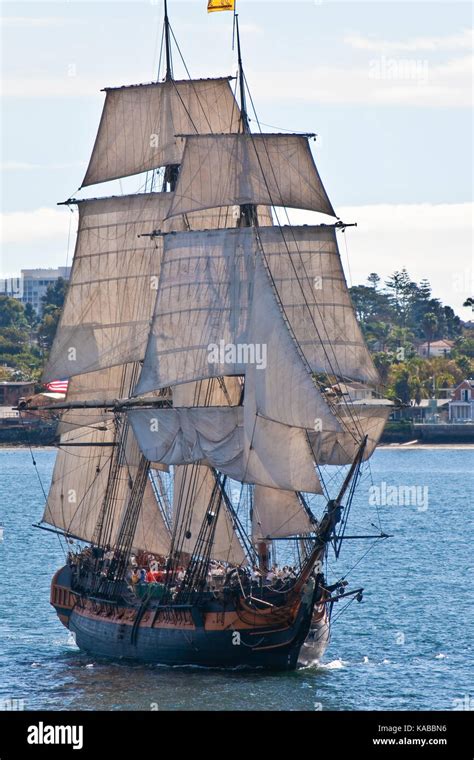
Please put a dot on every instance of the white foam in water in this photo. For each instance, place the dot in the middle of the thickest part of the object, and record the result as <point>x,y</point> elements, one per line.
<point>90,665</point>
<point>385,662</point>
<point>333,665</point>
<point>365,660</point>
<point>440,656</point>
<point>71,639</point>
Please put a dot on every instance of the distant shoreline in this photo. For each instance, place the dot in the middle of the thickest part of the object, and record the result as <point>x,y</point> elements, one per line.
<point>16,446</point>
<point>385,446</point>
<point>380,447</point>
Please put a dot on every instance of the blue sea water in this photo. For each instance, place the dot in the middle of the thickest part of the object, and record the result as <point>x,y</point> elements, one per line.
<point>408,645</point>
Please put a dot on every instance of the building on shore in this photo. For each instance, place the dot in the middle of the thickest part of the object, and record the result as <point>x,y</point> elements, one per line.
<point>35,282</point>
<point>11,392</point>
<point>461,405</point>
<point>436,348</point>
<point>429,410</point>
<point>354,390</point>
<point>32,284</point>
<point>11,287</point>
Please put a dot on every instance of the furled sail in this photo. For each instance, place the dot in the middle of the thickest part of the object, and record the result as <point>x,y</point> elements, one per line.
<point>185,435</point>
<point>259,451</point>
<point>139,124</point>
<point>111,294</point>
<point>229,169</point>
<point>79,485</point>
<point>360,419</point>
<point>194,485</point>
<point>276,514</point>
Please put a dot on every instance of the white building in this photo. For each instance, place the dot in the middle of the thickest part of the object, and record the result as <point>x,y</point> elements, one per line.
<point>461,406</point>
<point>436,348</point>
<point>35,282</point>
<point>11,287</point>
<point>354,390</point>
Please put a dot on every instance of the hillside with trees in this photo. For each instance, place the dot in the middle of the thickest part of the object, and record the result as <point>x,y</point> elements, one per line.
<point>25,336</point>
<point>396,317</point>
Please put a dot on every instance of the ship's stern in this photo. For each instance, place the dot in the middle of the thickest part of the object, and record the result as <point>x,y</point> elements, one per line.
<point>63,598</point>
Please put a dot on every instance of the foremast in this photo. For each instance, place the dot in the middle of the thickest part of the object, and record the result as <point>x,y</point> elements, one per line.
<point>118,477</point>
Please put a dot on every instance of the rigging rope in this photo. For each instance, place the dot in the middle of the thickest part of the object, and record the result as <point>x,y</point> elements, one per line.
<point>22,421</point>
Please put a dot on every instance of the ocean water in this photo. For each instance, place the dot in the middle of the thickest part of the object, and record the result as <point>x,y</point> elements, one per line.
<point>407,645</point>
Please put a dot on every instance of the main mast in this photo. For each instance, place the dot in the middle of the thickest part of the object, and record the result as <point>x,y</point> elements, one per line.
<point>171,172</point>
<point>243,99</point>
<point>248,211</point>
<point>169,62</point>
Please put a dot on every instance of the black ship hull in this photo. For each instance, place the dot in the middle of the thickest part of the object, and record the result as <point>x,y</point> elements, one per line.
<point>212,636</point>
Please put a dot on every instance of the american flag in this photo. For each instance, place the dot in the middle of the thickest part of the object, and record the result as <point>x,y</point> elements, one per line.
<point>57,386</point>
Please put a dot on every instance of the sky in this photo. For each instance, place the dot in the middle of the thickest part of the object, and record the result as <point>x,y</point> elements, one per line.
<point>387,87</point>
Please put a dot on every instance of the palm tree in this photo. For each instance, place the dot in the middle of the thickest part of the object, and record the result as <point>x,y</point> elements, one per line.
<point>383,363</point>
<point>401,337</point>
<point>381,331</point>
<point>429,325</point>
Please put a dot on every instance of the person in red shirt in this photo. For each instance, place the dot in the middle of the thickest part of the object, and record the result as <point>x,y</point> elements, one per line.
<point>150,576</point>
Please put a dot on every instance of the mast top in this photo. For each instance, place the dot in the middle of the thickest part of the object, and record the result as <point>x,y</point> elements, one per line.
<point>243,101</point>
<point>169,62</point>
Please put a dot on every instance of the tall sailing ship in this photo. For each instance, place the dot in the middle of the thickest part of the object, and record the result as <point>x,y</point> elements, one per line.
<point>209,415</point>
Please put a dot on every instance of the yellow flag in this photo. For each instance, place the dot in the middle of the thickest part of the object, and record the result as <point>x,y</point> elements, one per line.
<point>220,5</point>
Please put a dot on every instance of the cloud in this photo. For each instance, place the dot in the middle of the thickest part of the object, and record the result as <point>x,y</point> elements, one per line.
<point>24,166</point>
<point>72,84</point>
<point>461,41</point>
<point>23,22</point>
<point>383,81</point>
<point>29,227</point>
<point>250,29</point>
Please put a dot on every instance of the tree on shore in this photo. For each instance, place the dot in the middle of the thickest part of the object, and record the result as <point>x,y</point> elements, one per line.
<point>52,301</point>
<point>24,335</point>
<point>429,324</point>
